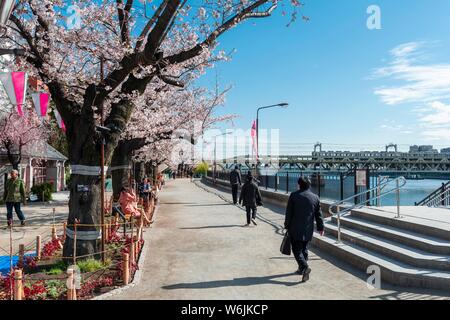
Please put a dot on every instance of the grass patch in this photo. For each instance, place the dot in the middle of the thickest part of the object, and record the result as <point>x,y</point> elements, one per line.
<point>91,265</point>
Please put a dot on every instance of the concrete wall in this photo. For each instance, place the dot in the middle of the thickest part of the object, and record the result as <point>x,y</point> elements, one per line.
<point>273,197</point>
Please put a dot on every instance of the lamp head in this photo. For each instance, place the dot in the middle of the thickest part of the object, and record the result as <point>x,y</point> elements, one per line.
<point>284,105</point>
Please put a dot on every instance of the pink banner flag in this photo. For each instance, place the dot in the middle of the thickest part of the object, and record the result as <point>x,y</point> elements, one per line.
<point>15,84</point>
<point>254,139</point>
<point>59,120</point>
<point>41,101</point>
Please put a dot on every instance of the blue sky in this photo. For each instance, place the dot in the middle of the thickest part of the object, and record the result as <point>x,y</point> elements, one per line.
<point>349,87</point>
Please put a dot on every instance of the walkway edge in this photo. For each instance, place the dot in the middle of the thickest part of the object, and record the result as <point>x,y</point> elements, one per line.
<point>137,275</point>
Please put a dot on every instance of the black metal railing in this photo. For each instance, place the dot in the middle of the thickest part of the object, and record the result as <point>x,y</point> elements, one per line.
<point>439,197</point>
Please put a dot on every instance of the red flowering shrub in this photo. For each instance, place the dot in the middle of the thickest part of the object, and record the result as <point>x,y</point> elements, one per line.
<point>51,247</point>
<point>87,289</point>
<point>35,291</point>
<point>6,284</point>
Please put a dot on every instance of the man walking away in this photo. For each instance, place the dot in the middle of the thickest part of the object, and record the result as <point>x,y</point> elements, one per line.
<point>235,181</point>
<point>14,194</point>
<point>250,197</point>
<point>302,209</point>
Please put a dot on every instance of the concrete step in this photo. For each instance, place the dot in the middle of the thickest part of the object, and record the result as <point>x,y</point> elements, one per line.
<point>393,250</point>
<point>418,225</point>
<point>392,271</point>
<point>409,238</point>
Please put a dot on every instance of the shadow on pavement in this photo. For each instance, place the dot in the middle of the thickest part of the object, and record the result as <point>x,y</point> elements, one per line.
<point>209,205</point>
<point>237,282</point>
<point>212,227</point>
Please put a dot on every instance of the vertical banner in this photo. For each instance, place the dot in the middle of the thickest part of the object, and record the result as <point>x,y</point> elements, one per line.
<point>41,101</point>
<point>59,120</point>
<point>15,84</point>
<point>6,7</point>
<point>254,140</point>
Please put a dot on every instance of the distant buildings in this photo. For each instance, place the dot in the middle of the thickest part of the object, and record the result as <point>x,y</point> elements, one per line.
<point>422,149</point>
<point>445,150</point>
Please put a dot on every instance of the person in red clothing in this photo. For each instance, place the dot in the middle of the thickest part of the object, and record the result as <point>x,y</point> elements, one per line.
<point>129,205</point>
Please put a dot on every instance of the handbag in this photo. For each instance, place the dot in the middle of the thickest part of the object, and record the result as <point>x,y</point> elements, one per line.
<point>285,247</point>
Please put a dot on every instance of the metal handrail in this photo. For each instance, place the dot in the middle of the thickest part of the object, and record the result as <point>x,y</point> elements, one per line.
<point>399,183</point>
<point>438,199</point>
<point>438,191</point>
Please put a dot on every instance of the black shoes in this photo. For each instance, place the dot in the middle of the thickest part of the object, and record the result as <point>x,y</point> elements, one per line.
<point>22,223</point>
<point>306,274</point>
<point>254,221</point>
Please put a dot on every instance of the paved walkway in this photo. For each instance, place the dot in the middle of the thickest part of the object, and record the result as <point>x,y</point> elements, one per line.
<point>198,249</point>
<point>39,217</point>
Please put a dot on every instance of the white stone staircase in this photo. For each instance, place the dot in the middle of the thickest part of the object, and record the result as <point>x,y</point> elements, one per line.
<point>411,251</point>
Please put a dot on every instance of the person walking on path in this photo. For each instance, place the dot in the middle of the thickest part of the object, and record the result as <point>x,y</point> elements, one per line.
<point>13,195</point>
<point>250,198</point>
<point>235,181</point>
<point>302,209</point>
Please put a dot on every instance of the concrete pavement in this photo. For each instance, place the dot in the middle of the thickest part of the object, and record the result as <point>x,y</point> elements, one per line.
<point>198,249</point>
<point>39,218</point>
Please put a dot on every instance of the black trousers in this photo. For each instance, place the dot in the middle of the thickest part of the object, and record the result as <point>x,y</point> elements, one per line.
<point>234,192</point>
<point>251,213</point>
<point>300,251</point>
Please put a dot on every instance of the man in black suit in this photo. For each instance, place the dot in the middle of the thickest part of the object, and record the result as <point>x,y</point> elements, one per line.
<point>302,209</point>
<point>250,198</point>
<point>235,181</point>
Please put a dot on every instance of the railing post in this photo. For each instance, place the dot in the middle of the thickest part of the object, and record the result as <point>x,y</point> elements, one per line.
<point>341,182</point>
<point>18,285</point>
<point>126,268</point>
<point>267,181</point>
<point>21,254</point>
<point>38,247</point>
<point>287,182</point>
<point>443,195</point>
<point>339,224</point>
<point>71,285</point>
<point>276,181</point>
<point>398,198</point>
<point>318,184</point>
<point>378,191</point>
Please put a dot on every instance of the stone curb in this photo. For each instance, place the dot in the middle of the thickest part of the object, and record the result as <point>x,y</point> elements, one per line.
<point>137,275</point>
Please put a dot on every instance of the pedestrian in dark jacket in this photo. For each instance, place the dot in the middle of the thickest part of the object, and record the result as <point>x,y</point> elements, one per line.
<point>250,198</point>
<point>13,195</point>
<point>302,209</point>
<point>235,181</point>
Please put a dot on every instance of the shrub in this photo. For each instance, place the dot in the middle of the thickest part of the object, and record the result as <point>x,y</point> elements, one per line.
<point>89,265</point>
<point>45,189</point>
<point>201,169</point>
<point>55,288</point>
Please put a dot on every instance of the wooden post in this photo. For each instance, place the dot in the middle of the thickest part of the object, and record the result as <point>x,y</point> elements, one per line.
<point>75,242</point>
<point>126,268</point>
<point>21,254</point>
<point>54,236</point>
<point>18,285</point>
<point>132,256</point>
<point>38,247</point>
<point>71,288</point>
<point>64,230</point>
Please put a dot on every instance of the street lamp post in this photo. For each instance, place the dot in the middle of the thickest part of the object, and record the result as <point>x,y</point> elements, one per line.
<point>215,148</point>
<point>282,105</point>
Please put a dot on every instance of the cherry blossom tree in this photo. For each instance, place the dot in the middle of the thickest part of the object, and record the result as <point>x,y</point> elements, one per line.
<point>176,113</point>
<point>20,134</point>
<point>99,60</point>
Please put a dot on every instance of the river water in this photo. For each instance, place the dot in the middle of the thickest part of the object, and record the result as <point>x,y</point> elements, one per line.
<point>330,189</point>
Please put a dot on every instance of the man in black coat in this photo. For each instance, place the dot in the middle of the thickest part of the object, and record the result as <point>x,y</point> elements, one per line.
<point>302,209</point>
<point>235,181</point>
<point>250,198</point>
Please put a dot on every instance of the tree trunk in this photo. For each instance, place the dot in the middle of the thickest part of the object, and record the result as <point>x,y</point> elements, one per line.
<point>84,145</point>
<point>120,159</point>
